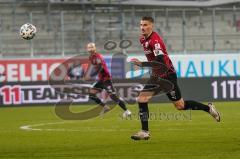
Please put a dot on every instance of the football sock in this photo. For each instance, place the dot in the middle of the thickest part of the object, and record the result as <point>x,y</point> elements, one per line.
<point>120,102</point>
<point>190,104</point>
<point>144,115</point>
<point>96,99</point>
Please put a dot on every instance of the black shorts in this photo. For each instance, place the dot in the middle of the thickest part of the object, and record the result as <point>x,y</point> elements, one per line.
<point>106,85</point>
<point>175,94</point>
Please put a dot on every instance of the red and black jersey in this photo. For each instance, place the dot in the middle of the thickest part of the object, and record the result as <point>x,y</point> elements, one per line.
<point>155,50</point>
<point>99,63</point>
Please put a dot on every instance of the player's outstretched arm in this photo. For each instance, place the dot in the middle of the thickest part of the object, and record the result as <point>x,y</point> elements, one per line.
<point>135,61</point>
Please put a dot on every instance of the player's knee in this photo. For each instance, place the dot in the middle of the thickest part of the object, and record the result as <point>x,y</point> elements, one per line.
<point>142,99</point>
<point>179,105</point>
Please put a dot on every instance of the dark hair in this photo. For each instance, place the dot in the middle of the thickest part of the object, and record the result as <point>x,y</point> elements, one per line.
<point>150,19</point>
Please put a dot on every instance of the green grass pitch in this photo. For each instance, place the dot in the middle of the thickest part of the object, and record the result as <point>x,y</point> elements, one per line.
<point>193,135</point>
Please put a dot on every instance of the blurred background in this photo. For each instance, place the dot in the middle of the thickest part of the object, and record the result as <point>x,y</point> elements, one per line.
<point>202,38</point>
<point>203,41</point>
<point>65,26</point>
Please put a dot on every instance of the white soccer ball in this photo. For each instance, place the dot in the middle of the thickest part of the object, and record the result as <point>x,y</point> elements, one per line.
<point>28,31</point>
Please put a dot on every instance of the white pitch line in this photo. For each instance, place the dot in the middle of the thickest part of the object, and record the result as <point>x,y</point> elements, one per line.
<point>35,127</point>
<point>30,127</point>
<point>85,129</point>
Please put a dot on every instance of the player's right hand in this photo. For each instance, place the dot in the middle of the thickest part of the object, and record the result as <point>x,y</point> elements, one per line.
<point>135,61</point>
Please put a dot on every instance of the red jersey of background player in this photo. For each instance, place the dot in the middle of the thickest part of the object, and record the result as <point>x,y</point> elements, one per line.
<point>97,59</point>
<point>154,46</point>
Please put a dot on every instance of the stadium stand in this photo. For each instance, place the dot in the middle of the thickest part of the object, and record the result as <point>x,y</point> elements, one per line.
<point>198,26</point>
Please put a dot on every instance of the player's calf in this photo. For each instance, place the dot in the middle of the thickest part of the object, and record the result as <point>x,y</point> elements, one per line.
<point>122,104</point>
<point>96,99</point>
<point>193,105</point>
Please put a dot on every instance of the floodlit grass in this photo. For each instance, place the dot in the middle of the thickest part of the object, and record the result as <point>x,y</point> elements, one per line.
<point>174,134</point>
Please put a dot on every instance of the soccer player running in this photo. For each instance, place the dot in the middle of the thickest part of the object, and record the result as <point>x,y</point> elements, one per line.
<point>104,81</point>
<point>155,51</point>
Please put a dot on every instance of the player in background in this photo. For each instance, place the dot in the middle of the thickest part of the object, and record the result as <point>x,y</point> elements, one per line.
<point>104,80</point>
<point>155,50</point>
